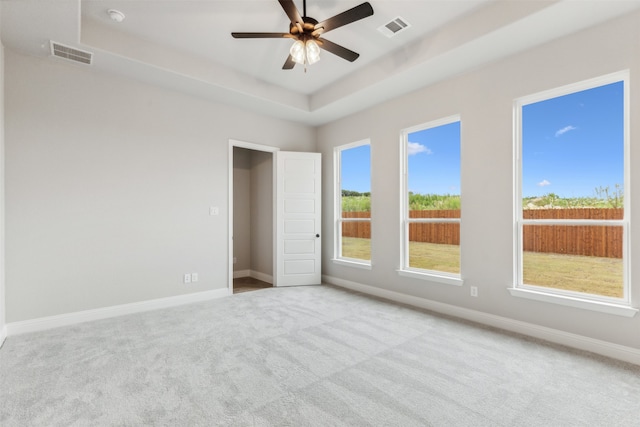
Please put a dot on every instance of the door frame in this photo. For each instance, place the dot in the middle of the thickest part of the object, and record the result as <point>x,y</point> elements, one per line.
<point>256,147</point>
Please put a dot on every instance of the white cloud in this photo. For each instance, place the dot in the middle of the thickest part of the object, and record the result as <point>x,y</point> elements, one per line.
<point>564,130</point>
<point>414,148</point>
<point>543,183</point>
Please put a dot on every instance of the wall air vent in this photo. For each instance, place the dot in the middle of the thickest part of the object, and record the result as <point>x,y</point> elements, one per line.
<point>394,27</point>
<point>70,53</point>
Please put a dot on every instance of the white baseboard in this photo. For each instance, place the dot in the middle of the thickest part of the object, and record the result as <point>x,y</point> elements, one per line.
<point>50,322</point>
<point>261,276</point>
<point>241,273</point>
<point>3,335</point>
<point>604,348</point>
<point>254,274</point>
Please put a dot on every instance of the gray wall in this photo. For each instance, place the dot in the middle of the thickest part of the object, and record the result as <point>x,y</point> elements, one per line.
<point>262,212</point>
<point>242,208</point>
<point>108,187</point>
<point>253,211</point>
<point>484,99</point>
<point>108,183</point>
<point>2,162</point>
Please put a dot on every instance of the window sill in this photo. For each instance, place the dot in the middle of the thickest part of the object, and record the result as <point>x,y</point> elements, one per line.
<point>432,277</point>
<point>352,263</point>
<point>602,307</point>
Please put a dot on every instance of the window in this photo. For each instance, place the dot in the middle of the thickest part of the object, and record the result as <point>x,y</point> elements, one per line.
<point>572,210</point>
<point>431,201</point>
<point>353,203</point>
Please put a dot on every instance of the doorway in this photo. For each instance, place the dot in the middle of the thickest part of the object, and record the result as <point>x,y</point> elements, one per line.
<point>251,216</point>
<point>274,215</point>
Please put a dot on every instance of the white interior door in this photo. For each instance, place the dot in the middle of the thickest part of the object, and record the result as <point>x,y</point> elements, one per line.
<point>298,218</point>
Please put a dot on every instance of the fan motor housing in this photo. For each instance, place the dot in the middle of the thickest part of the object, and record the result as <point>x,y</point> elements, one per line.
<point>293,29</point>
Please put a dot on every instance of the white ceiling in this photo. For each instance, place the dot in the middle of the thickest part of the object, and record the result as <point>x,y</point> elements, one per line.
<point>186,45</point>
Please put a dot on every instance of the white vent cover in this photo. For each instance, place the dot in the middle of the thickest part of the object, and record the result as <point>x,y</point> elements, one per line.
<point>70,53</point>
<point>394,27</point>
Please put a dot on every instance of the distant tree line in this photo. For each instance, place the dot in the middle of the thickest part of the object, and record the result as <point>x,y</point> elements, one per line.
<point>604,197</point>
<point>354,201</point>
<point>350,193</point>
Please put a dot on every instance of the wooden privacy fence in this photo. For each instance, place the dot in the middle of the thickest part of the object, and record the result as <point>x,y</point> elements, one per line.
<point>589,240</point>
<point>360,229</point>
<point>447,233</point>
<point>443,233</point>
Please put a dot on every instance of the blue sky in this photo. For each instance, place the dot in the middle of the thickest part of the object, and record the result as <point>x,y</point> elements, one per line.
<point>574,143</point>
<point>571,145</point>
<point>434,160</point>
<point>356,169</point>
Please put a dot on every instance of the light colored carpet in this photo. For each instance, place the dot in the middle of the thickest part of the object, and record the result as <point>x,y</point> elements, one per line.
<point>307,356</point>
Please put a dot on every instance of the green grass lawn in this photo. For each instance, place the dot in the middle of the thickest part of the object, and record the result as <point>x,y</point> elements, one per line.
<point>593,275</point>
<point>355,247</point>
<point>432,256</point>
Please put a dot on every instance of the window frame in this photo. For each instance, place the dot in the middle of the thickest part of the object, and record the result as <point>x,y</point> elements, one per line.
<point>437,276</point>
<point>338,218</point>
<point>612,305</point>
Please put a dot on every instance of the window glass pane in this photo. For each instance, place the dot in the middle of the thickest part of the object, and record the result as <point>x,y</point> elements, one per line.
<point>573,150</point>
<point>433,186</point>
<point>355,178</point>
<point>435,246</point>
<point>573,169</point>
<point>574,258</point>
<point>356,247</point>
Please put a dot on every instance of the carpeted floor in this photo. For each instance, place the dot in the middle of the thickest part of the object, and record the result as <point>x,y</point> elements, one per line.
<point>307,356</point>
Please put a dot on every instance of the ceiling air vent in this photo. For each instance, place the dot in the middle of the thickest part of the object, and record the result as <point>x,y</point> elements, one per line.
<point>394,27</point>
<point>70,53</point>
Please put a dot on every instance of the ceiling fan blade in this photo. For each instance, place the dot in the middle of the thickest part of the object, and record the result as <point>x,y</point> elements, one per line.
<point>336,49</point>
<point>260,35</point>
<point>289,63</point>
<point>291,10</point>
<point>344,18</point>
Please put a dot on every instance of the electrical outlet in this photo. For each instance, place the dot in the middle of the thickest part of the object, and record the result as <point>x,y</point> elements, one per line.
<point>194,277</point>
<point>187,278</point>
<point>474,291</point>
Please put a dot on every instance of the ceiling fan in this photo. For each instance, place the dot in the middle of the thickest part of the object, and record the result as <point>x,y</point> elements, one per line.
<point>307,33</point>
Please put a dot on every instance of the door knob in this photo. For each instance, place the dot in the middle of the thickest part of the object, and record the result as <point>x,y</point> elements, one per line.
<point>317,235</point>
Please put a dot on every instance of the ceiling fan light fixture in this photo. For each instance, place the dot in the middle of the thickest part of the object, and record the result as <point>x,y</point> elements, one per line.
<point>308,33</point>
<point>297,52</point>
<point>313,52</point>
<point>307,52</point>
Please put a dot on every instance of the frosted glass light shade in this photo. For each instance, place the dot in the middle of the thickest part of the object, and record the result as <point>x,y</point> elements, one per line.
<point>313,52</point>
<point>305,52</point>
<point>297,52</point>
